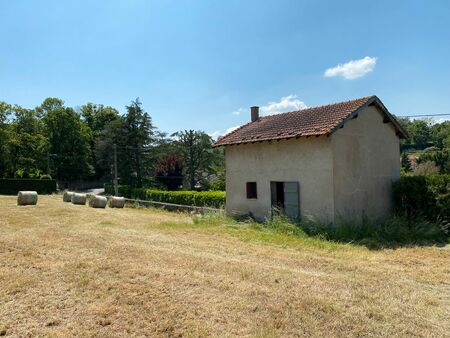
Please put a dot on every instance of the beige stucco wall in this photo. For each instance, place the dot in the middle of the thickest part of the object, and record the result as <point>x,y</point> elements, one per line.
<point>366,159</point>
<point>308,161</point>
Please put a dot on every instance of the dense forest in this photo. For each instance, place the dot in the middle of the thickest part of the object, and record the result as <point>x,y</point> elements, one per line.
<point>53,140</point>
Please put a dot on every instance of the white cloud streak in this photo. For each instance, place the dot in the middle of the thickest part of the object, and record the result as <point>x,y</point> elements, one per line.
<point>238,112</point>
<point>287,103</point>
<point>353,69</point>
<point>219,133</point>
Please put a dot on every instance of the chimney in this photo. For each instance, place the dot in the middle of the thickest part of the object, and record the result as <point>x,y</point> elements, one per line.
<point>254,113</point>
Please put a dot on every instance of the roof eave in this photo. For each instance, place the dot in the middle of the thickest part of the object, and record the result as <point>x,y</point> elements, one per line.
<point>401,133</point>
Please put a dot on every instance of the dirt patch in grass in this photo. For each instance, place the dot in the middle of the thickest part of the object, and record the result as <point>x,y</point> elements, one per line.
<point>76,271</point>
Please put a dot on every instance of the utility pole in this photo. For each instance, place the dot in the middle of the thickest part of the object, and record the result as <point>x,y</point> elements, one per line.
<point>116,181</point>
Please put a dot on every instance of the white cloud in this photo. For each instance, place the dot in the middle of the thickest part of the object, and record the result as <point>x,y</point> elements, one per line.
<point>229,130</point>
<point>353,69</point>
<point>287,103</point>
<point>215,133</point>
<point>238,112</point>
<point>218,133</point>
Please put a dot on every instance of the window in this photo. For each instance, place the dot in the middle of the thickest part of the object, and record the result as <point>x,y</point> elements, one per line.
<point>251,190</point>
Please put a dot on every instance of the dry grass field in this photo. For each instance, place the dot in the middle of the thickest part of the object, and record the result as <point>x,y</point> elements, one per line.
<point>70,270</point>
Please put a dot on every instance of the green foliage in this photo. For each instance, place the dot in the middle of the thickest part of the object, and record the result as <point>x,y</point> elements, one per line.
<point>428,142</point>
<point>13,186</point>
<point>109,188</point>
<point>219,182</point>
<point>27,144</point>
<point>97,117</point>
<point>134,136</point>
<point>440,134</point>
<point>213,199</point>
<point>69,142</point>
<point>441,158</point>
<point>425,197</point>
<point>195,147</point>
<point>419,132</point>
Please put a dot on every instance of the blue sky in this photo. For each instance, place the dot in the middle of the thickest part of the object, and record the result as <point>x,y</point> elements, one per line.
<point>202,64</point>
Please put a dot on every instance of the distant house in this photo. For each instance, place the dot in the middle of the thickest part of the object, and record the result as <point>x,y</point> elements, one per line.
<point>328,163</point>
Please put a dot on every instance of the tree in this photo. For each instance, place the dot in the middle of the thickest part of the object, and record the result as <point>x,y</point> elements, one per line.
<point>134,136</point>
<point>113,133</point>
<point>169,171</point>
<point>419,132</point>
<point>195,148</point>
<point>440,134</point>
<point>139,138</point>
<point>97,117</point>
<point>5,163</point>
<point>69,141</point>
<point>28,144</point>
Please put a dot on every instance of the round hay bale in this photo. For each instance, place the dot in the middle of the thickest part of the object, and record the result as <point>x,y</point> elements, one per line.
<point>98,201</point>
<point>116,202</point>
<point>67,196</point>
<point>78,198</point>
<point>27,198</point>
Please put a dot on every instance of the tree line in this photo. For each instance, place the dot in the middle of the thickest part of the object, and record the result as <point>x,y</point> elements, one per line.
<point>54,140</point>
<point>427,150</point>
<point>77,144</point>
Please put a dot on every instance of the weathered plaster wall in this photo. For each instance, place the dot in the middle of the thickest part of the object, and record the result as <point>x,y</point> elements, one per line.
<point>366,159</point>
<point>306,160</point>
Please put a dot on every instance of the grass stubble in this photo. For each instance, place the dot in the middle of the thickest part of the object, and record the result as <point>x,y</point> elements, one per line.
<point>71,270</point>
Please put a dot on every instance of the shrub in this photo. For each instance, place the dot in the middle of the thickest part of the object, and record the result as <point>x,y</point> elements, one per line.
<point>213,199</point>
<point>425,197</point>
<point>11,186</point>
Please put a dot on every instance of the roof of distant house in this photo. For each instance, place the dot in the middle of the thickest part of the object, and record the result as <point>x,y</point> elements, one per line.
<point>315,121</point>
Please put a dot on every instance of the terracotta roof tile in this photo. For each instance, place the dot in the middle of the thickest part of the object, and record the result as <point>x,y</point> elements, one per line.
<point>313,121</point>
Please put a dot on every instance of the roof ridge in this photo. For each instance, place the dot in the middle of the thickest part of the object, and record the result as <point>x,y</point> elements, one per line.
<point>322,106</point>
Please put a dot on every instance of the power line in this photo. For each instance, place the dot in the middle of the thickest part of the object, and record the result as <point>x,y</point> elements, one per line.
<point>424,115</point>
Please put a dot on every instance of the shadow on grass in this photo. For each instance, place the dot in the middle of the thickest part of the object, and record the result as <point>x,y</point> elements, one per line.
<point>390,233</point>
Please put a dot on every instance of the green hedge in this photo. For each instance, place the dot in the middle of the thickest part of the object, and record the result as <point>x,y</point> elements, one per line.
<point>214,199</point>
<point>423,196</point>
<point>11,186</point>
<point>109,188</point>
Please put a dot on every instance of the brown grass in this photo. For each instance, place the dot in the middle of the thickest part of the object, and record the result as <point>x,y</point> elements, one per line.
<point>71,270</point>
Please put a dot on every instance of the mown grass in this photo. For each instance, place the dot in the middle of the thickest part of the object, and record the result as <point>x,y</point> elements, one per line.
<point>77,271</point>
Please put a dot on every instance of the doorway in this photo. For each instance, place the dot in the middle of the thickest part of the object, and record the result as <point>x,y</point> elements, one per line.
<point>285,198</point>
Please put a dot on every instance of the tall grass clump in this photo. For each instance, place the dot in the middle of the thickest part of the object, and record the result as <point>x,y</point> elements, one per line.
<point>392,231</point>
